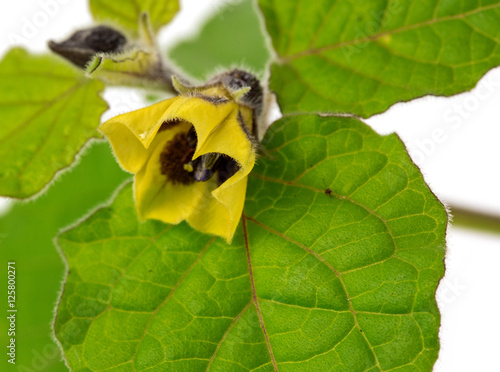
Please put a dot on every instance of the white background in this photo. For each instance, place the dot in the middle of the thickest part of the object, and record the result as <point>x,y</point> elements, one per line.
<point>455,141</point>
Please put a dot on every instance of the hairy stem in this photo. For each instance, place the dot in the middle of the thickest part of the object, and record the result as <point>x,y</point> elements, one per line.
<point>474,219</point>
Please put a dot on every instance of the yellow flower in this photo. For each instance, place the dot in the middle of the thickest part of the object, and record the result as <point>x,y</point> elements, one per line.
<point>191,156</point>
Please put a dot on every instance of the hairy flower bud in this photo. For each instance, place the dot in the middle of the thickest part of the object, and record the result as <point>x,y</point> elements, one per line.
<point>82,45</point>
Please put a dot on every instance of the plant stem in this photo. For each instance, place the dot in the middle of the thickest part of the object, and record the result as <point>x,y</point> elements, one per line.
<point>477,220</point>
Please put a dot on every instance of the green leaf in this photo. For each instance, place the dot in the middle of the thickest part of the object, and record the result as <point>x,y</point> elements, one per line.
<point>27,237</point>
<point>232,37</point>
<point>126,13</point>
<point>333,268</point>
<point>49,110</point>
<point>361,57</point>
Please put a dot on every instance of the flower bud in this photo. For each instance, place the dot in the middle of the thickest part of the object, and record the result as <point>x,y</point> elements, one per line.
<point>80,47</point>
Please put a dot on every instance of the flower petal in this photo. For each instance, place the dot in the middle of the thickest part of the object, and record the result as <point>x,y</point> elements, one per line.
<point>221,215</point>
<point>216,124</point>
<point>220,127</point>
<point>131,134</point>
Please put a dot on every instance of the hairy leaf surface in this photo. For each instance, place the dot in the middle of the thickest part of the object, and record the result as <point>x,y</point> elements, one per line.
<point>49,110</point>
<point>334,267</point>
<point>361,57</point>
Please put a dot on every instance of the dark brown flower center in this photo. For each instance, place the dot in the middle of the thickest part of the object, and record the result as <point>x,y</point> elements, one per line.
<point>175,155</point>
<point>177,162</point>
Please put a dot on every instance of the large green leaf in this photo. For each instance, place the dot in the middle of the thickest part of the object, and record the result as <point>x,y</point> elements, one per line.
<point>48,111</point>
<point>127,12</point>
<point>363,56</point>
<point>333,268</point>
<point>232,37</point>
<point>27,237</point>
